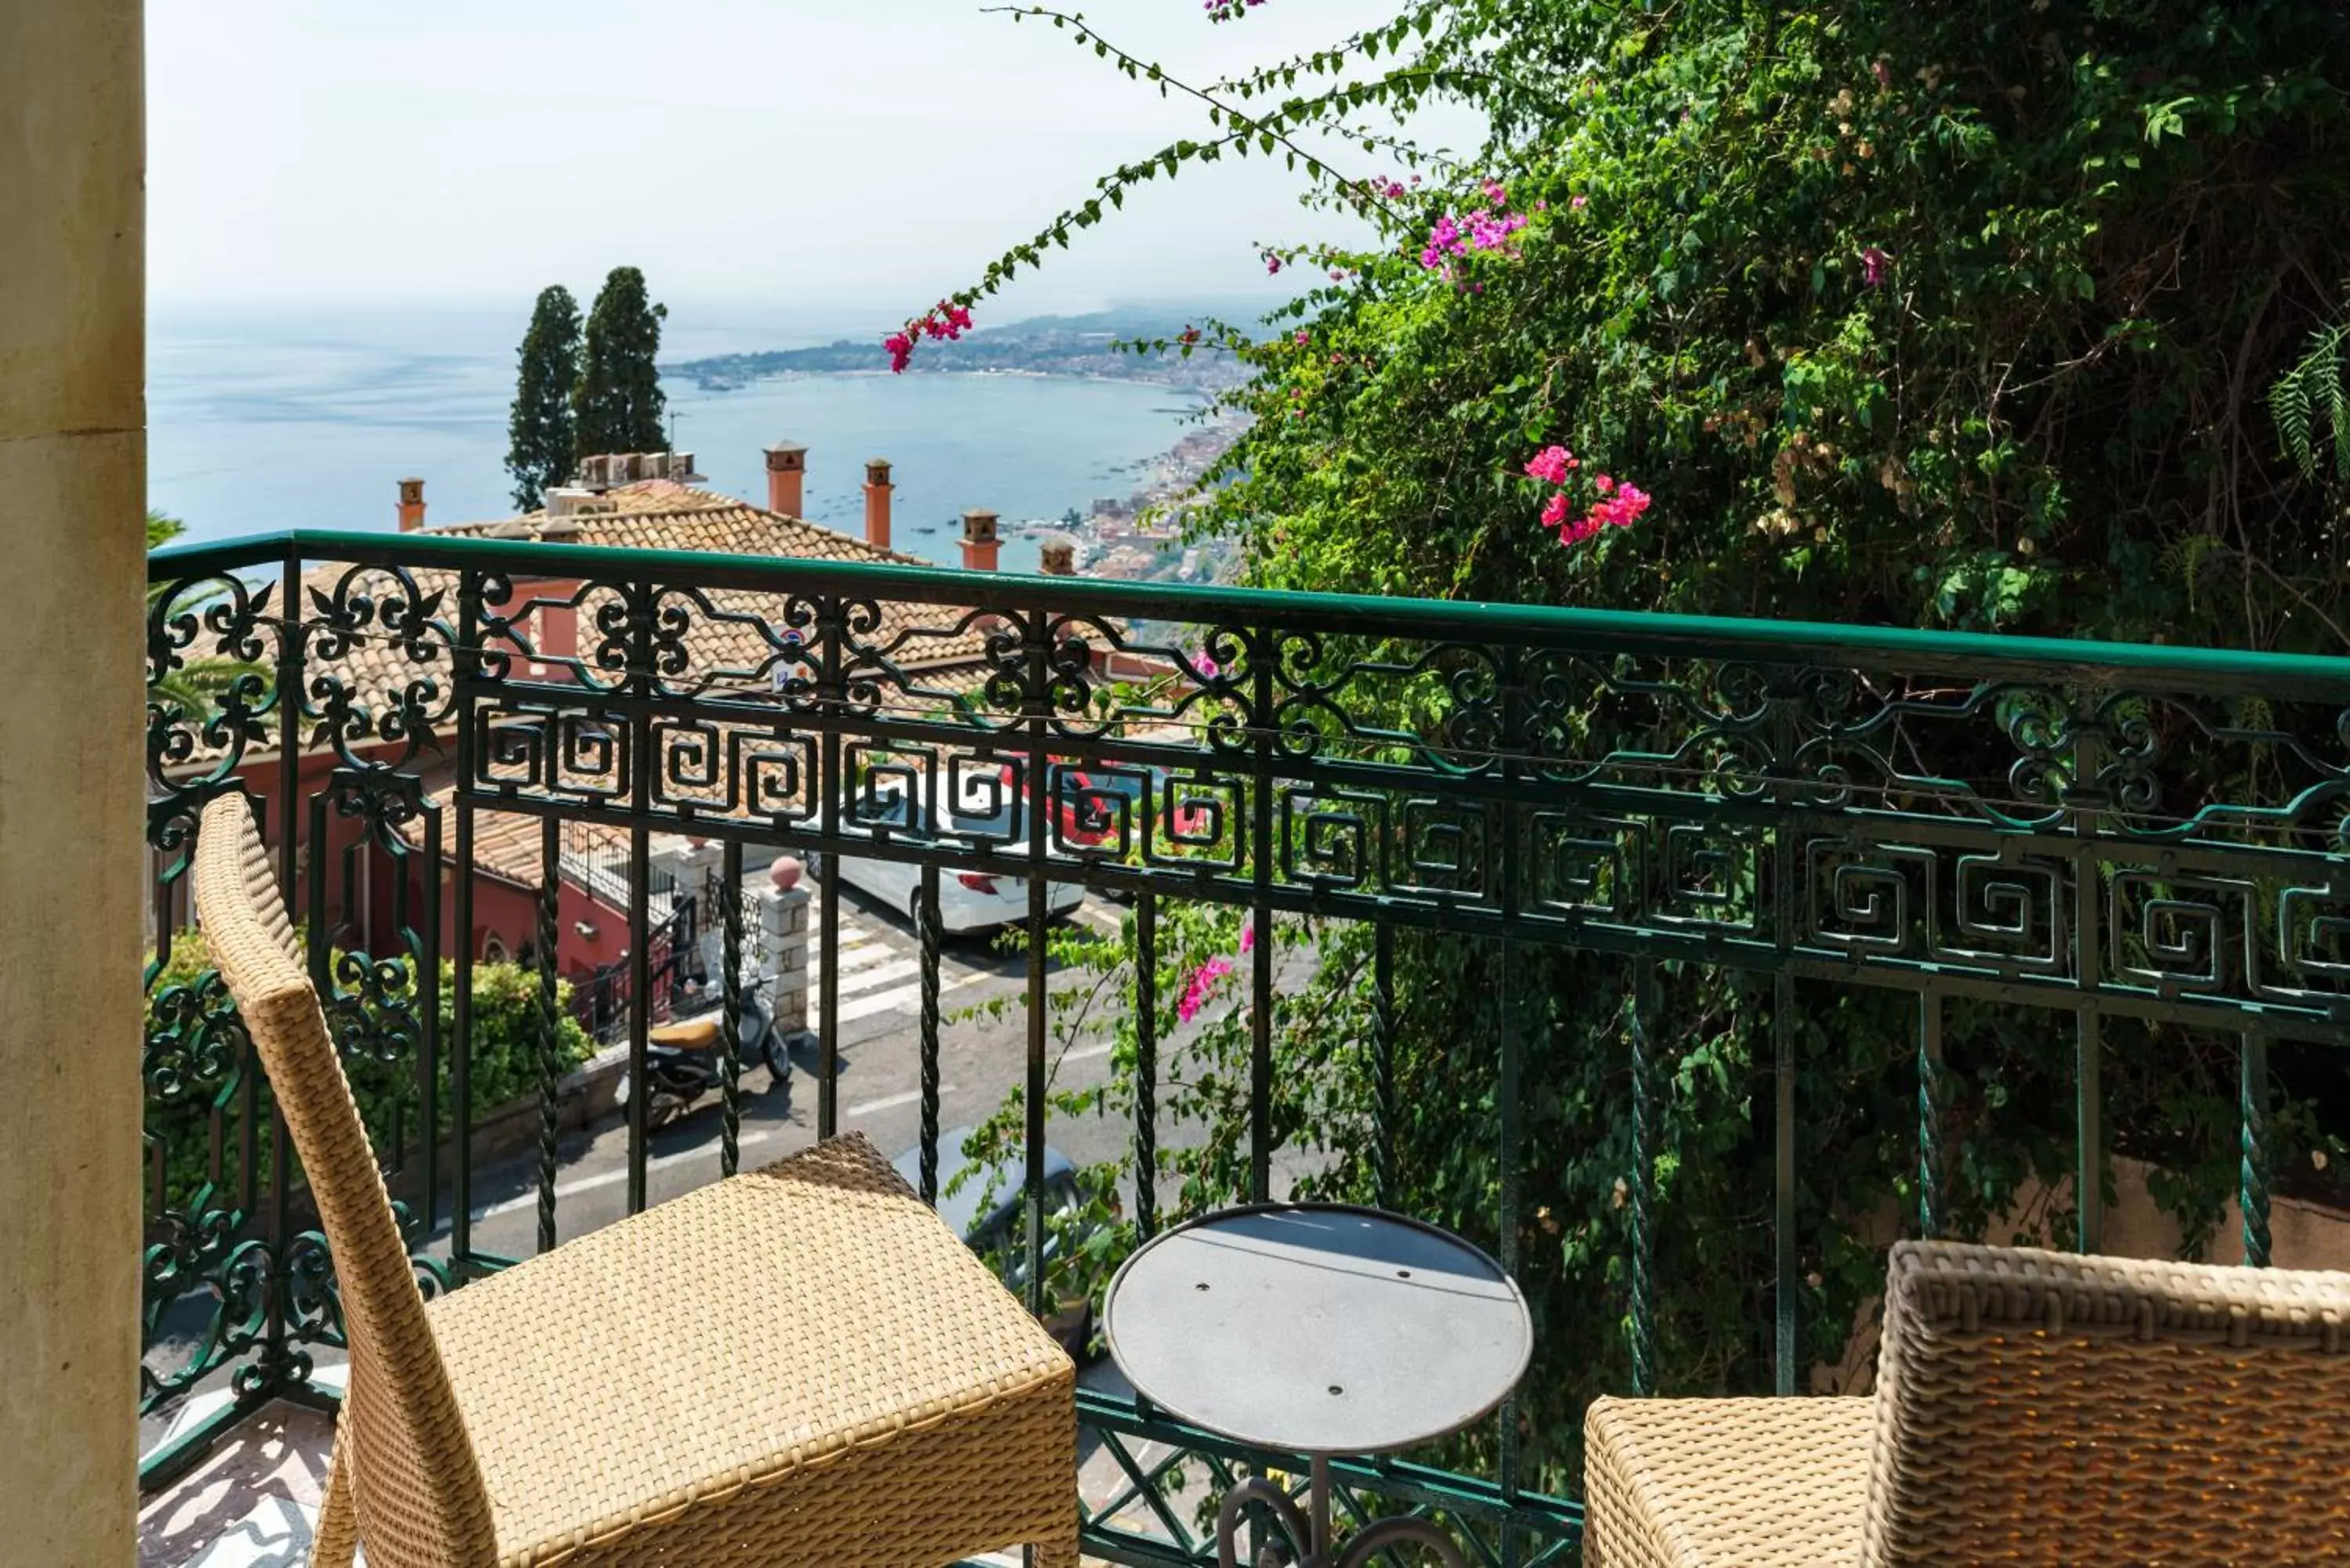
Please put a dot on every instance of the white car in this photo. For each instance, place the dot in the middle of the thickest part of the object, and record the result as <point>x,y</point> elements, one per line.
<point>968,900</point>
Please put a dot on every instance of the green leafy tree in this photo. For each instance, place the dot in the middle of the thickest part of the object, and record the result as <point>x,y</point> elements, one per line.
<point>1959,315</point>
<point>539,430</point>
<point>618,404</point>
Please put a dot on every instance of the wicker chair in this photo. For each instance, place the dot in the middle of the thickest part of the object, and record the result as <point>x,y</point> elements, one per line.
<point>797,1366</point>
<point>2030,1407</point>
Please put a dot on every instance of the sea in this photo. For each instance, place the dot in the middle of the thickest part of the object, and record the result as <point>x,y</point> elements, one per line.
<point>264,418</point>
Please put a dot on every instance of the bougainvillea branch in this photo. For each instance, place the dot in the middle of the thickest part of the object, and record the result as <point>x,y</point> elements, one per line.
<point>1266,133</point>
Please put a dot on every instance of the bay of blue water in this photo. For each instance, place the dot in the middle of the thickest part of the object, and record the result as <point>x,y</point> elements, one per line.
<point>268,419</point>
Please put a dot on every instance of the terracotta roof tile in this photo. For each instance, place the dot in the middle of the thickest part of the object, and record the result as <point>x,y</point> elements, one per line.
<point>729,648</point>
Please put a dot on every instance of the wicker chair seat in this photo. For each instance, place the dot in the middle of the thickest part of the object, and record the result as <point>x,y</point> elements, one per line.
<point>1725,1483</point>
<point>2030,1407</point>
<point>805,1341</point>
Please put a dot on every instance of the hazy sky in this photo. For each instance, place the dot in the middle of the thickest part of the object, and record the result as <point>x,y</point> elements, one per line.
<point>865,155</point>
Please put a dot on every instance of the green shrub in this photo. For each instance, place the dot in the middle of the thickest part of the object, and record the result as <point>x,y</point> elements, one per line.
<point>374,1024</point>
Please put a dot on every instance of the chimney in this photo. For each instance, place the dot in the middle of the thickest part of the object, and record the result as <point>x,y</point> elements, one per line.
<point>1059,556</point>
<point>411,505</point>
<point>877,503</point>
<point>786,468</point>
<point>978,542</point>
<point>554,628</point>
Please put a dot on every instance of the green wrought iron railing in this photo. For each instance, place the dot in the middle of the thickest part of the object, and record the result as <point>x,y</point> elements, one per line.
<point>2089,836</point>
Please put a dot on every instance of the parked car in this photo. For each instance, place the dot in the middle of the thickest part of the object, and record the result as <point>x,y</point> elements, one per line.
<point>968,900</point>
<point>988,1211</point>
<point>1082,800</point>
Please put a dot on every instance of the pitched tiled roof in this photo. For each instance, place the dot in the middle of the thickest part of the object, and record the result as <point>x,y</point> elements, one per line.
<point>662,514</point>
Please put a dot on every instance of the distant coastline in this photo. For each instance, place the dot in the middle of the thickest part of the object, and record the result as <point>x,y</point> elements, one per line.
<point>1081,346</point>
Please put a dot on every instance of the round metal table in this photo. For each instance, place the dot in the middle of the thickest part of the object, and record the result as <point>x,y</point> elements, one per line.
<point>1318,1329</point>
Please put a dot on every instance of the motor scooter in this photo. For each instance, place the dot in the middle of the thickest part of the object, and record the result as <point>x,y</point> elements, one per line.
<point>682,1060</point>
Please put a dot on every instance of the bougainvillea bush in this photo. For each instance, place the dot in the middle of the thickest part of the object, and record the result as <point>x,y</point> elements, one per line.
<point>1963,316</point>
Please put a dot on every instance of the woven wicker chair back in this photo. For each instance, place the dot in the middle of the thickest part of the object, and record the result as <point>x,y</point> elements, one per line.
<point>418,1491</point>
<point>2037,1407</point>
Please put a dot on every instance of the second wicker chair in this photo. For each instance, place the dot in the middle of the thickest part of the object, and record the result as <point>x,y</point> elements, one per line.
<point>799,1367</point>
<point>2030,1407</point>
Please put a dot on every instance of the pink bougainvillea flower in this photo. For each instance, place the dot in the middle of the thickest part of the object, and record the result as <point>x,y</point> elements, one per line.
<point>1497,193</point>
<point>1621,510</point>
<point>1443,240</point>
<point>1304,337</point>
<point>1204,982</point>
<point>901,349</point>
<point>1272,263</point>
<point>1580,202</point>
<point>1550,465</point>
<point>1620,505</point>
<point>1873,264</point>
<point>1248,935</point>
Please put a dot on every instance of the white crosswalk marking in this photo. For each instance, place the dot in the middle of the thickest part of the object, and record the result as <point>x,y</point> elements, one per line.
<point>877,967</point>
<point>874,972</point>
<point>865,976</point>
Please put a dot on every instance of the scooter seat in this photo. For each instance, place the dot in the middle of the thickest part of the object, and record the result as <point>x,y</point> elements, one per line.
<point>700,1034</point>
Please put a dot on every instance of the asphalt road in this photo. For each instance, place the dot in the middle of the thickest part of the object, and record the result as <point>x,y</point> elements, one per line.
<point>879,1085</point>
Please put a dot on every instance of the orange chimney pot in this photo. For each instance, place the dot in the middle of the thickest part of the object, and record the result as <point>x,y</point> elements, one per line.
<point>979,545</point>
<point>411,505</point>
<point>786,471</point>
<point>877,503</point>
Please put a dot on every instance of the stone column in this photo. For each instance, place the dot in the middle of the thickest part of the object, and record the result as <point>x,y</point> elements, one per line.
<point>783,917</point>
<point>72,491</point>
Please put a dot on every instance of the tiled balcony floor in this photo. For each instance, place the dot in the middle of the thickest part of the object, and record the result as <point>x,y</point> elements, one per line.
<point>252,1500</point>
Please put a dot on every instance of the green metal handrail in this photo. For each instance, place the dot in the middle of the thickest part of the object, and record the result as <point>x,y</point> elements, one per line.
<point>1974,653</point>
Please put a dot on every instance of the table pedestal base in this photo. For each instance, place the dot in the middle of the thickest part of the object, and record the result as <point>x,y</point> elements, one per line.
<point>1311,1535</point>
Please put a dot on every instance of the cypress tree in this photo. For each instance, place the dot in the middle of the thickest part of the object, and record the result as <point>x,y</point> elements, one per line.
<point>540,430</point>
<point>618,404</point>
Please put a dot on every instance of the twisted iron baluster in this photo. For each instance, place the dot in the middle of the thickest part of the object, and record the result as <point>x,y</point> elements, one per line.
<point>1146,1062</point>
<point>1929,1116</point>
<point>1636,1199</point>
<point>2252,1179</point>
<point>926,920</point>
<point>1383,1034</point>
<point>550,1039</point>
<point>730,1085</point>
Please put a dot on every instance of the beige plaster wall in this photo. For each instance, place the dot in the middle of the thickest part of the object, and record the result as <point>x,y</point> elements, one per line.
<point>72,492</point>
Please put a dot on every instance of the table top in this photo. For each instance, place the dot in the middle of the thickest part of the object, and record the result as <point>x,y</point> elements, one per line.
<point>1318,1328</point>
